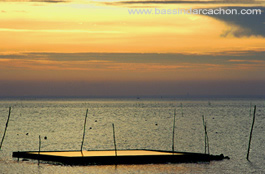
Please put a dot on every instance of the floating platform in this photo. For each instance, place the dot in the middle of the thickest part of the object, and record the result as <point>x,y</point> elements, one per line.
<point>109,157</point>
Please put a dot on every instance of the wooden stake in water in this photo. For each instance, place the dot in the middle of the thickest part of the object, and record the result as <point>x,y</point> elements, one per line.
<point>9,113</point>
<point>206,140</point>
<point>173,134</point>
<point>250,136</point>
<point>84,132</point>
<point>204,134</point>
<point>39,150</point>
<point>114,139</point>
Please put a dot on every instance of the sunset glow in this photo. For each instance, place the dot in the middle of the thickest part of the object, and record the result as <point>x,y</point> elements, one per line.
<point>100,42</point>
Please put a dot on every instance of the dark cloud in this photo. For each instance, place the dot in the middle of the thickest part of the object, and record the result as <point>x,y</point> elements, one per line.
<point>165,58</point>
<point>243,25</point>
<point>240,25</point>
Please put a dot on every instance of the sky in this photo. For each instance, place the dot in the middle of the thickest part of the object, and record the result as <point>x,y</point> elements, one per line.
<point>97,48</point>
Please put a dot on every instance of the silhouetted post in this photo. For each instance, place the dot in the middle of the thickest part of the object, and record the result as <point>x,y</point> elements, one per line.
<point>9,113</point>
<point>114,139</point>
<point>206,140</point>
<point>84,132</point>
<point>173,134</point>
<point>39,150</point>
<point>250,136</point>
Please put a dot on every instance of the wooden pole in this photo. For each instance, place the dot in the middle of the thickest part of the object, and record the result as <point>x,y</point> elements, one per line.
<point>204,134</point>
<point>114,139</point>
<point>173,134</point>
<point>250,135</point>
<point>9,113</point>
<point>84,132</point>
<point>206,140</point>
<point>208,147</point>
<point>39,150</point>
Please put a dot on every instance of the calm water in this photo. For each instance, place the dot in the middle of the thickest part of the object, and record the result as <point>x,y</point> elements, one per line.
<point>139,124</point>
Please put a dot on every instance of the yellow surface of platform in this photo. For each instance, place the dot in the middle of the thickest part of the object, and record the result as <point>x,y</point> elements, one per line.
<point>105,153</point>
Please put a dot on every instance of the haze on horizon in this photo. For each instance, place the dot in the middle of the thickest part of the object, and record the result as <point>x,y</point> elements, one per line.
<point>96,48</point>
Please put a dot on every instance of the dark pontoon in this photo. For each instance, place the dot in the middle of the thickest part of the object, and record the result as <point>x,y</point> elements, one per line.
<point>108,157</point>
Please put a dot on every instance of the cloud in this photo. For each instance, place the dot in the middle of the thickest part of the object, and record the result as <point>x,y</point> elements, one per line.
<point>170,58</point>
<point>148,62</point>
<point>45,1</point>
<point>44,73</point>
<point>247,61</point>
<point>94,65</point>
<point>47,64</point>
<point>240,25</point>
<point>247,64</point>
<point>243,25</point>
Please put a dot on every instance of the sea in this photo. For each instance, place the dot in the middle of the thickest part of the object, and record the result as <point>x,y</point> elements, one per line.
<point>140,123</point>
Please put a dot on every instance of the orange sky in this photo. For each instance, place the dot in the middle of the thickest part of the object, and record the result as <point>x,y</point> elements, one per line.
<point>203,47</point>
<point>90,27</point>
